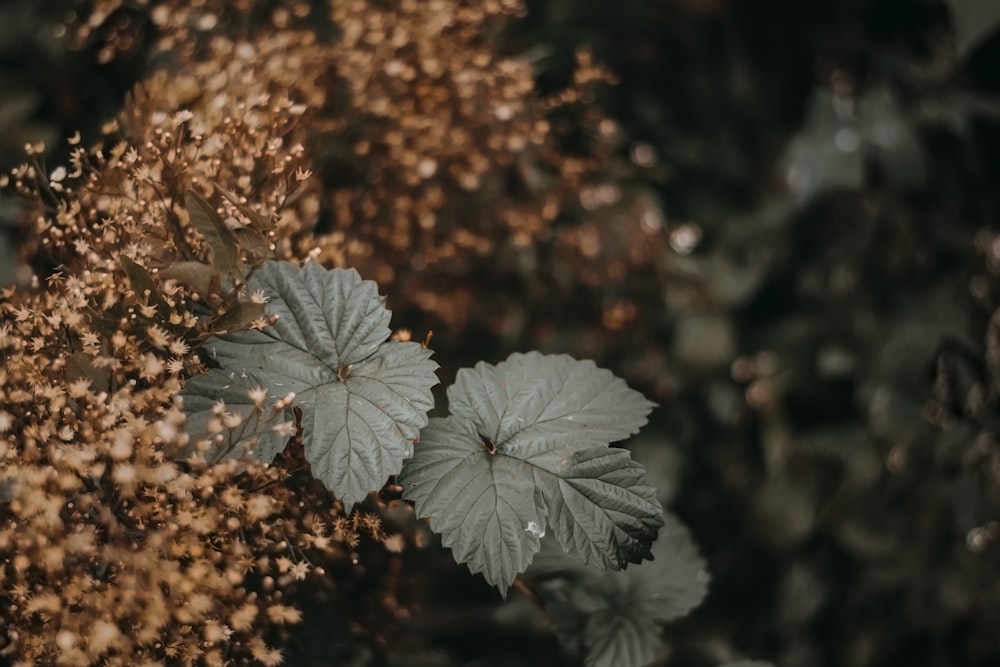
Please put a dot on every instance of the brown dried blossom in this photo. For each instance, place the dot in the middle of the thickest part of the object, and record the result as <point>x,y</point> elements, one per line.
<point>428,148</point>
<point>444,153</point>
<point>113,553</point>
<point>406,143</point>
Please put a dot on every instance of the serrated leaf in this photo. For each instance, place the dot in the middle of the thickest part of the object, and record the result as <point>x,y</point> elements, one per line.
<point>589,624</point>
<point>364,399</point>
<point>600,506</point>
<point>611,618</point>
<point>257,437</point>
<point>252,239</point>
<point>675,581</point>
<point>257,219</point>
<point>533,403</point>
<point>525,448</point>
<point>211,227</point>
<point>141,282</point>
<point>384,402</point>
<point>484,507</point>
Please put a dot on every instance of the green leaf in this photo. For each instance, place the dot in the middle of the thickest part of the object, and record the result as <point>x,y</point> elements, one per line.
<point>534,403</point>
<point>254,243</point>
<point>80,365</point>
<point>483,506</point>
<point>611,619</point>
<point>259,436</point>
<point>601,508</point>
<point>616,640</point>
<point>675,581</point>
<point>211,227</point>
<point>525,448</point>
<point>590,624</point>
<point>364,399</point>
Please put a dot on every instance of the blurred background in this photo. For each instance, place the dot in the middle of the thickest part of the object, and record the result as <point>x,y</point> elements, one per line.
<point>793,248</point>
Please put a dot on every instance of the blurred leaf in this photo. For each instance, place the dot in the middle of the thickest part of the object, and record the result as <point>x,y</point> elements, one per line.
<point>8,489</point>
<point>254,242</point>
<point>142,283</point>
<point>826,154</point>
<point>79,365</point>
<point>211,227</point>
<point>973,21</point>
<point>891,139</point>
<point>676,580</point>
<point>15,112</point>
<point>199,276</point>
<point>840,133</point>
<point>8,259</point>
<point>252,239</point>
<point>525,448</point>
<point>138,277</point>
<point>238,316</point>
<point>611,618</point>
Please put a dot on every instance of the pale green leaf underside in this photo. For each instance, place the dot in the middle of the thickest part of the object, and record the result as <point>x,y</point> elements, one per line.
<point>364,399</point>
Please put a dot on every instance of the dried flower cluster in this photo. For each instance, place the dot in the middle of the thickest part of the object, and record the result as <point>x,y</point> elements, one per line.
<point>434,151</point>
<point>429,150</point>
<point>443,154</point>
<point>439,128</point>
<point>112,552</point>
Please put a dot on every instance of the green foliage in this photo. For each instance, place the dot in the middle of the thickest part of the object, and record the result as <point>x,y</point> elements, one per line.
<point>526,448</point>
<point>363,398</point>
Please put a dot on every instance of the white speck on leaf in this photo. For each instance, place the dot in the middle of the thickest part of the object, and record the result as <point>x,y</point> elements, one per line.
<point>535,529</point>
